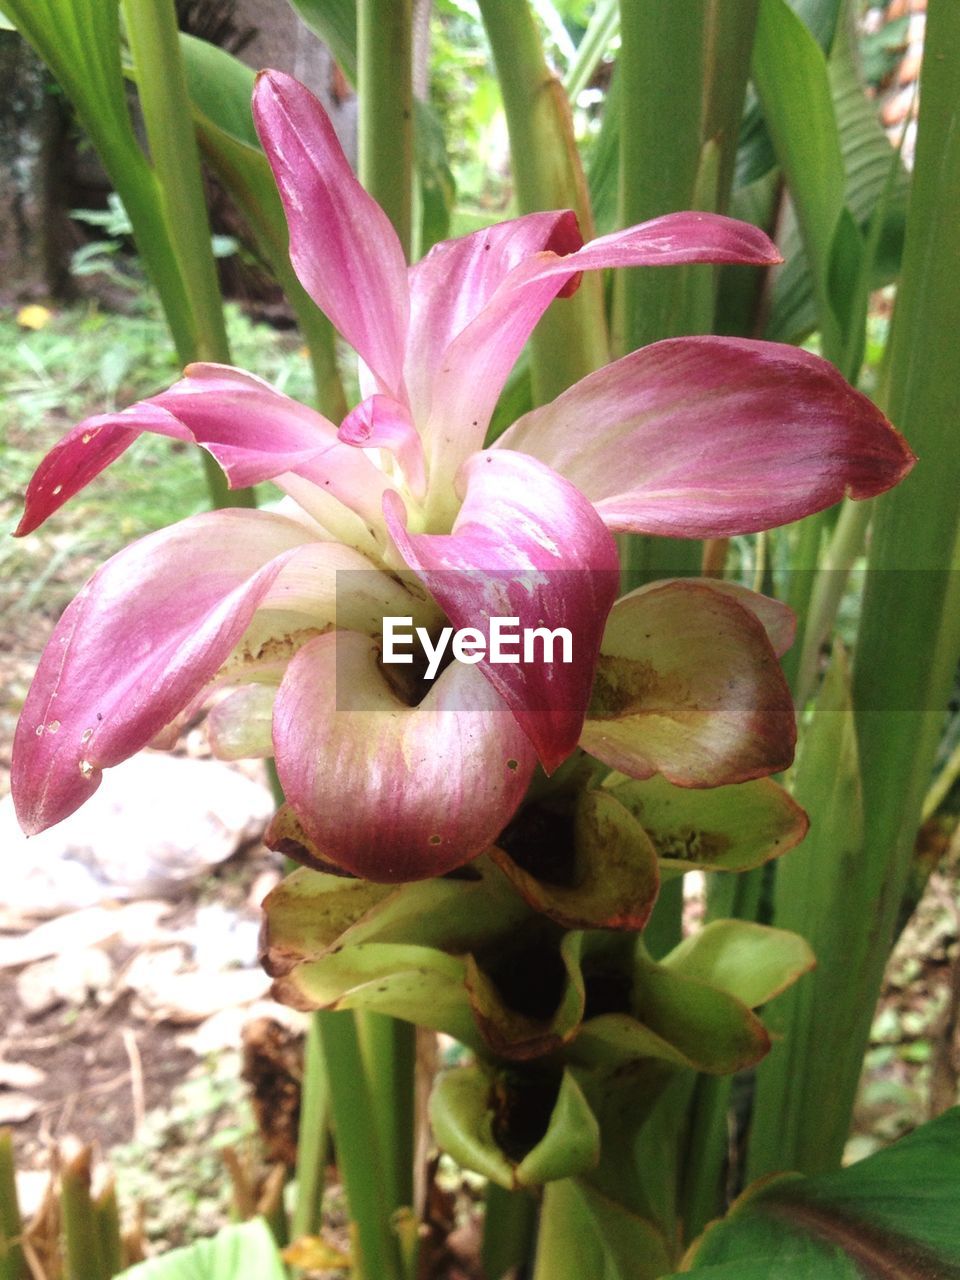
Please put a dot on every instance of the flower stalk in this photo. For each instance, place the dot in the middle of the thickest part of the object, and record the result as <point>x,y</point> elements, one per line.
<point>571,340</point>
<point>154,42</point>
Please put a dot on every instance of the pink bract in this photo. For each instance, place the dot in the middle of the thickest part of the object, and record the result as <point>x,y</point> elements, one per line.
<point>693,437</point>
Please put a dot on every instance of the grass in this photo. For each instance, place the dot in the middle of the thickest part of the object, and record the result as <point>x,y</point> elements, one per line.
<point>87,361</point>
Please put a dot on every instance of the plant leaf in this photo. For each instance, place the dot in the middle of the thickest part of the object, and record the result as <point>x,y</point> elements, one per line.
<point>470,1109</point>
<point>892,1214</point>
<point>335,22</point>
<point>715,829</point>
<point>749,961</point>
<point>611,877</point>
<point>867,157</point>
<point>242,1251</point>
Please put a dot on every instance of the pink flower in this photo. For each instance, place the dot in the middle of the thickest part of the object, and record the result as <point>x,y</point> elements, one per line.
<point>697,437</point>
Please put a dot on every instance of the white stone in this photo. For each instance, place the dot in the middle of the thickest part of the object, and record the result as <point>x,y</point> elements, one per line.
<point>156,822</point>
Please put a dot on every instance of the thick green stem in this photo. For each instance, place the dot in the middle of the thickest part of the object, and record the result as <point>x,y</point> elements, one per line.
<point>107,1213</point>
<point>13,1265</point>
<point>509,1229</point>
<point>686,65</point>
<point>571,339</point>
<point>358,1149</point>
<point>165,103</point>
<point>389,1048</point>
<point>84,1255</point>
<point>311,1136</point>
<point>385,94</point>
<point>385,99</point>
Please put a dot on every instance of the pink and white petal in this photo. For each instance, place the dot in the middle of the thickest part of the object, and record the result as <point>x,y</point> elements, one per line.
<point>777,619</point>
<point>526,545</point>
<point>142,638</point>
<point>254,432</point>
<point>342,246</point>
<point>83,453</point>
<point>688,686</point>
<point>380,422</point>
<point>475,366</point>
<point>707,437</point>
<point>675,239</point>
<point>457,278</point>
<point>389,791</point>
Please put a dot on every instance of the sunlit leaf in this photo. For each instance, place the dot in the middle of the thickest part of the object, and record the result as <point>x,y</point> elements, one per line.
<point>242,1251</point>
<point>715,829</point>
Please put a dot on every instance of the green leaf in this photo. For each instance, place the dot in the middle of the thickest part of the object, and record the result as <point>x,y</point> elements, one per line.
<point>242,1251</point>
<point>892,1214</point>
<point>308,911</point>
<point>668,1017</point>
<point>416,984</point>
<point>220,88</point>
<point>601,869</point>
<point>867,158</point>
<point>335,22</point>
<point>585,1233</point>
<point>715,828</point>
<point>750,961</point>
<point>484,1122</point>
<point>791,79</point>
<point>438,188</point>
<point>800,1118</point>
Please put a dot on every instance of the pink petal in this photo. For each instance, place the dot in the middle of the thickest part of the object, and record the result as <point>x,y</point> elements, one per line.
<point>380,422</point>
<point>342,245</point>
<point>254,432</point>
<point>526,544</point>
<point>475,366</point>
<point>385,790</point>
<point>144,635</point>
<point>455,281</point>
<point>707,437</point>
<point>677,238</point>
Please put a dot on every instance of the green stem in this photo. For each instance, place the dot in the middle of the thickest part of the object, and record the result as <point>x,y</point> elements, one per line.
<point>509,1229</point>
<point>80,1227</point>
<point>805,557</point>
<point>13,1265</point>
<point>162,87</point>
<point>603,26</point>
<point>385,95</point>
<point>107,1213</point>
<point>663,930</point>
<point>701,1185</point>
<point>686,64</point>
<point>311,1136</point>
<point>828,586</point>
<point>388,1047</point>
<point>358,1148</point>
<point>385,98</point>
<point>571,339</point>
